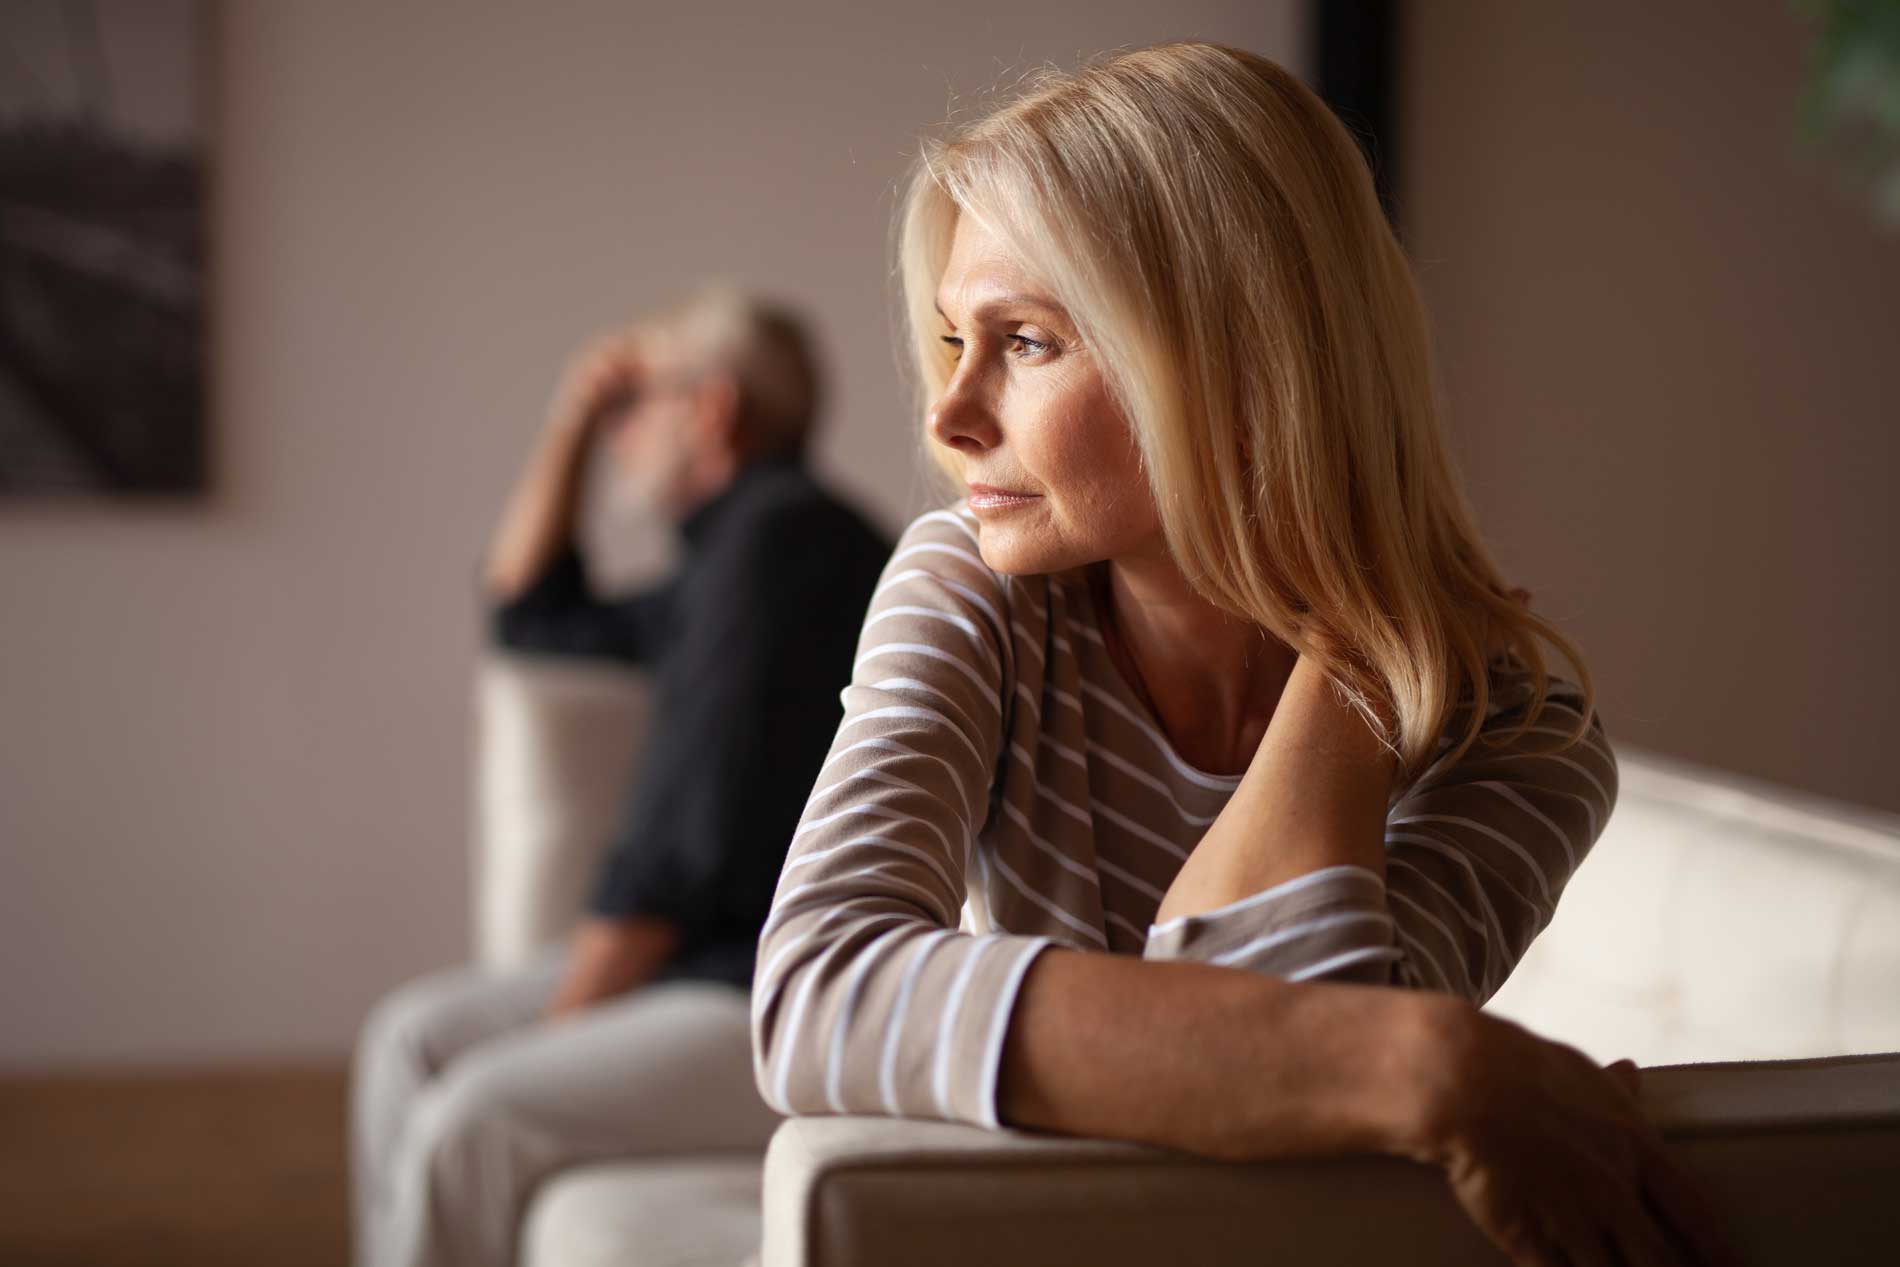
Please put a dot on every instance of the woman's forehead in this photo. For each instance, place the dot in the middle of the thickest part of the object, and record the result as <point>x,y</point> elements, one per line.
<point>984,273</point>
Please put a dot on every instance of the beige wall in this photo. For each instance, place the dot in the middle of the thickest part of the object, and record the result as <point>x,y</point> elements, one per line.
<point>1670,350</point>
<point>233,736</point>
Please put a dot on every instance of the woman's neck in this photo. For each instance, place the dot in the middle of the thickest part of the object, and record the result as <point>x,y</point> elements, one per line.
<point>1211,678</point>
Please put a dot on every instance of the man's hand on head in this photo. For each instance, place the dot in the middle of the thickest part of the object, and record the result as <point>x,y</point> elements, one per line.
<point>608,958</point>
<point>600,380</point>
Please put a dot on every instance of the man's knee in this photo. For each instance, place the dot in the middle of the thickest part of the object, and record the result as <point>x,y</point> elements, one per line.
<point>402,1027</point>
<point>467,1129</point>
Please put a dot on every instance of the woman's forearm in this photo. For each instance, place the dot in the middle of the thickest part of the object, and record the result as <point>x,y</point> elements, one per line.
<point>1223,1063</point>
<point>1314,796</point>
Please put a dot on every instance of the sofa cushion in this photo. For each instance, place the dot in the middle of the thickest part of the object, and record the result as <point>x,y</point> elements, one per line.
<point>700,1211</point>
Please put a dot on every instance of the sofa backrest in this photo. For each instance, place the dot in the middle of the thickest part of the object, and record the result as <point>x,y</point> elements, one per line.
<point>1720,919</point>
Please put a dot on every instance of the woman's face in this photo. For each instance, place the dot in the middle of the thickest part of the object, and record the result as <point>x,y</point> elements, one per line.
<point>1053,473</point>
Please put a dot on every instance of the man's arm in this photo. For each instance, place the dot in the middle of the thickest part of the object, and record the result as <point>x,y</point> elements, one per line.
<point>718,792</point>
<point>546,502</point>
<point>609,957</point>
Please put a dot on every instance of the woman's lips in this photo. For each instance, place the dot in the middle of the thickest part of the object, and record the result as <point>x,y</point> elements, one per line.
<point>983,499</point>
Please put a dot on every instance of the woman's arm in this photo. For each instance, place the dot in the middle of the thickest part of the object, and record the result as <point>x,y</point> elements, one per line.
<point>1307,874</point>
<point>1550,1155</point>
<point>868,997</point>
<point>1313,796</point>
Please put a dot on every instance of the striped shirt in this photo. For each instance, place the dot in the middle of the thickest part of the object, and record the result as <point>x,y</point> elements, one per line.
<point>996,787</point>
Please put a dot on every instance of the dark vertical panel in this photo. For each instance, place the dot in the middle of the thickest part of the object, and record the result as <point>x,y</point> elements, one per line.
<point>1356,42</point>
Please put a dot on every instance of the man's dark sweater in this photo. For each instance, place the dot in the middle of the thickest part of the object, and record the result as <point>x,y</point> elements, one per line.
<point>749,644</point>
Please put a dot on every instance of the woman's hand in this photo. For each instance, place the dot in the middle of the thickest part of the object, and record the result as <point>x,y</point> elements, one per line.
<point>1554,1160</point>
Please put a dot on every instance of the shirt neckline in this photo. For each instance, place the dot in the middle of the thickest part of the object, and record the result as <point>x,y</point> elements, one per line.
<point>1137,707</point>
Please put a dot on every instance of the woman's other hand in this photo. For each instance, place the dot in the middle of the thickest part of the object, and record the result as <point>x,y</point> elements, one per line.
<point>1553,1158</point>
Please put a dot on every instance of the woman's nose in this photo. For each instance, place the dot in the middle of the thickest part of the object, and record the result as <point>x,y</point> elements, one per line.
<point>962,421</point>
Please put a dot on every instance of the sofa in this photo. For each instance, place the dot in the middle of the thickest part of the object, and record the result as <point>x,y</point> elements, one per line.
<point>1739,941</point>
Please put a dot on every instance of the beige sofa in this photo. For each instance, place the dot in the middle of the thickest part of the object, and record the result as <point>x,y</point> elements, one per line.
<point>1717,921</point>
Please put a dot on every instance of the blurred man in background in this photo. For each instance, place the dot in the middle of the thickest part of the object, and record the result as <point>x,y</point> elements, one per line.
<point>471,1087</point>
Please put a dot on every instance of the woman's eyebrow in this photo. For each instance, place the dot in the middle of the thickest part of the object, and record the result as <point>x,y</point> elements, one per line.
<point>1004,301</point>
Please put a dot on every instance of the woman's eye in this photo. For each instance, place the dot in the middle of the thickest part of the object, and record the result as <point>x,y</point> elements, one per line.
<point>1027,346</point>
<point>955,344</point>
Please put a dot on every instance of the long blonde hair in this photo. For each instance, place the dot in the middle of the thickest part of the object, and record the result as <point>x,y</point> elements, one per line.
<point>1214,233</point>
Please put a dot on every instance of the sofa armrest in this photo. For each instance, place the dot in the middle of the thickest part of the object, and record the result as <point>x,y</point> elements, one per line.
<point>1800,1158</point>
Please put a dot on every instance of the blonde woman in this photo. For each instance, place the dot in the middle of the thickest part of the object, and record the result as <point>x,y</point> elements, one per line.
<point>1205,709</point>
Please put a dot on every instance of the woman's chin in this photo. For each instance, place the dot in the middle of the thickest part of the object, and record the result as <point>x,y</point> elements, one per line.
<point>1011,551</point>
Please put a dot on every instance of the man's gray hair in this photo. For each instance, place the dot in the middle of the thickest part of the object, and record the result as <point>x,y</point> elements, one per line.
<point>767,349</point>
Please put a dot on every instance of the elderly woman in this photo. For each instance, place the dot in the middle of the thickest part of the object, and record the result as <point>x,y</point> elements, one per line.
<point>1200,775</point>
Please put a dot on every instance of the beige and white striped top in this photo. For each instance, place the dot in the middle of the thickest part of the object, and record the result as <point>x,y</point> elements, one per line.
<point>996,787</point>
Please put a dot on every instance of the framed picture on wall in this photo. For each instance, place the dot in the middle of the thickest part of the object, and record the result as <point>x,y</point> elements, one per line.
<point>102,260</point>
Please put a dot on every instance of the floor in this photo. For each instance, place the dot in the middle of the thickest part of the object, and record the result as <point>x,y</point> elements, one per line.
<point>202,1168</point>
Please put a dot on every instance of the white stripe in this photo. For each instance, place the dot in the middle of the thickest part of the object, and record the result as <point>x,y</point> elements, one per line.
<point>883,649</point>
<point>1218,782</point>
<point>1140,775</point>
<point>1492,927</point>
<point>769,984</point>
<point>1565,761</point>
<point>1492,833</point>
<point>923,856</point>
<point>834,1061</point>
<point>1446,933</point>
<point>1286,888</point>
<point>1130,879</point>
<point>887,1064</point>
<point>1093,934</point>
<point>1136,830</point>
<point>788,1040</point>
<point>892,746</point>
<point>1126,925</point>
<point>1029,639</point>
<point>874,774</point>
<point>946,1025</point>
<point>968,629</point>
<point>1307,929</point>
<point>1388,954</point>
<point>1417,947</point>
<point>999,1029</point>
<point>1044,792</point>
<point>881,813</point>
<point>910,714</point>
<point>935,578</point>
<point>944,516</point>
<point>894,684</point>
<point>783,906</point>
<point>1061,859</point>
<point>1511,794</point>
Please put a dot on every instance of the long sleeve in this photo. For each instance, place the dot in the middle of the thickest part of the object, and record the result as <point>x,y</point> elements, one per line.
<point>1477,853</point>
<point>868,998</point>
<point>561,615</point>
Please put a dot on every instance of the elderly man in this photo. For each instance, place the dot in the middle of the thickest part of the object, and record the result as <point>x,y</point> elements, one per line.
<point>472,1087</point>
